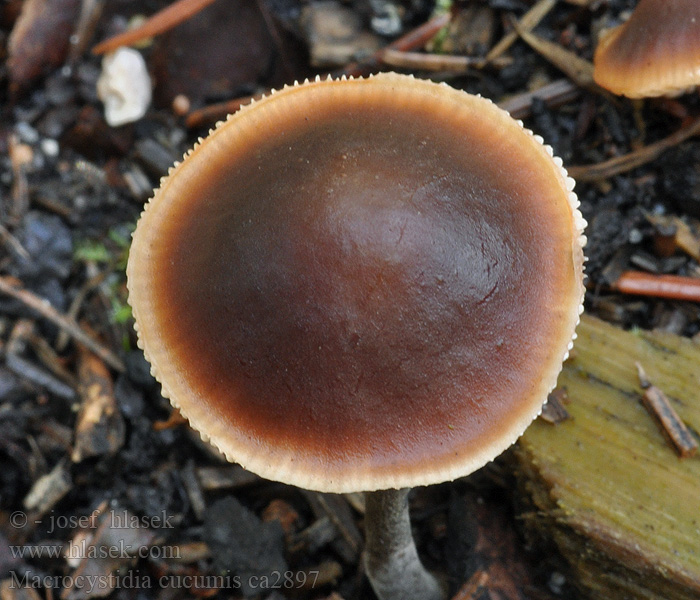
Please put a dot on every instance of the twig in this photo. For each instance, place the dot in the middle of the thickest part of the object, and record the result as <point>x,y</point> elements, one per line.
<point>16,345</point>
<point>160,22</point>
<point>20,157</point>
<point>44,308</point>
<point>675,287</point>
<point>553,94</point>
<point>437,62</point>
<point>577,68</point>
<point>658,405</point>
<point>637,158</point>
<point>7,238</point>
<point>77,303</point>
<point>528,22</point>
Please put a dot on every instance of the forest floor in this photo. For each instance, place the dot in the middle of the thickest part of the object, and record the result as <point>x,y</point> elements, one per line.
<point>135,477</point>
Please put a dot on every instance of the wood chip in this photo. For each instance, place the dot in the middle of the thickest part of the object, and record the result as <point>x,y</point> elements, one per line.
<point>658,405</point>
<point>9,590</point>
<point>316,536</point>
<point>337,509</point>
<point>48,490</point>
<point>100,427</point>
<point>554,411</point>
<point>113,541</point>
<point>684,237</point>
<point>194,490</point>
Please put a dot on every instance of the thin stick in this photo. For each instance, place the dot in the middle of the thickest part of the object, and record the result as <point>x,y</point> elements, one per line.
<point>558,92</point>
<point>675,287</point>
<point>160,22</point>
<point>436,62</point>
<point>658,405</point>
<point>528,22</point>
<point>627,162</point>
<point>41,306</point>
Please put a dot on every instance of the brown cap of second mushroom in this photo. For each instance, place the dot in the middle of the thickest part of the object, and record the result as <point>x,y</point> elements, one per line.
<point>656,52</point>
<point>361,284</point>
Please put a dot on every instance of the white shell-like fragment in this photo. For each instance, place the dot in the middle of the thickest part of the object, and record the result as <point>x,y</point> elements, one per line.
<point>124,86</point>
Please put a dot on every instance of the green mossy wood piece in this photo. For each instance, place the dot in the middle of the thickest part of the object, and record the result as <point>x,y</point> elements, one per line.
<point>606,485</point>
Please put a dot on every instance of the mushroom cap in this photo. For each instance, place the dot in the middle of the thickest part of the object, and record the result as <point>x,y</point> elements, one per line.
<point>656,52</point>
<point>361,284</point>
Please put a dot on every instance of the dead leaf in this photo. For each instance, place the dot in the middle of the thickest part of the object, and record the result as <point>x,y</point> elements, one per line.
<point>39,40</point>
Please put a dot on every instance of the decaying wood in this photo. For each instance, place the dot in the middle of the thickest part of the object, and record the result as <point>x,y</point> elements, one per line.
<point>605,485</point>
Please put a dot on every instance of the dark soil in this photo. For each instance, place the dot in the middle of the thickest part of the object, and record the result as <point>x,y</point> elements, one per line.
<point>72,189</point>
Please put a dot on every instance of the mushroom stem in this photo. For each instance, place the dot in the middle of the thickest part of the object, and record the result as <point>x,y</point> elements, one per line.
<point>391,558</point>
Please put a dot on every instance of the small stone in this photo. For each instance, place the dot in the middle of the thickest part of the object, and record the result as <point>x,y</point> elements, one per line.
<point>50,147</point>
<point>49,246</point>
<point>556,582</point>
<point>26,133</point>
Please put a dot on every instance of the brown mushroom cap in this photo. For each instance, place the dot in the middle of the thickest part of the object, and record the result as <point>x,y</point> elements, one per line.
<point>360,284</point>
<point>655,52</point>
